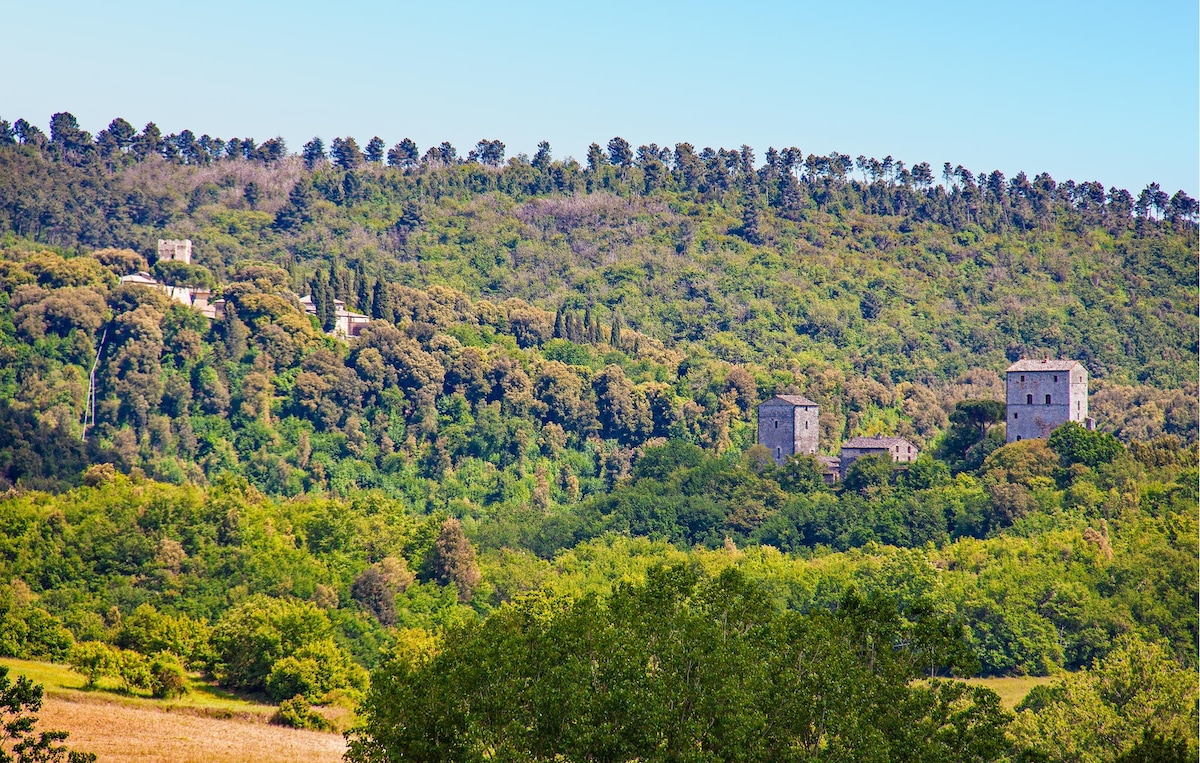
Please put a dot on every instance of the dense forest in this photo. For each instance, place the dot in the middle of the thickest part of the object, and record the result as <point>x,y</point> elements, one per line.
<point>546,435</point>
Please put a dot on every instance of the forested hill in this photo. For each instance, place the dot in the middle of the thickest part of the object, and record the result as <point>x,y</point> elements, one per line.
<point>547,428</point>
<point>651,293</point>
<point>793,259</point>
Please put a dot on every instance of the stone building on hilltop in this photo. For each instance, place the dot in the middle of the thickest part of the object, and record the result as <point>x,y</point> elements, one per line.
<point>198,298</point>
<point>179,250</point>
<point>1042,395</point>
<point>788,426</point>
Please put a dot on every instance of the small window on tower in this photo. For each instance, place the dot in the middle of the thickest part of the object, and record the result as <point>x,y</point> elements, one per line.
<point>777,425</point>
<point>1022,378</point>
<point>1056,378</point>
<point>1016,415</point>
<point>806,425</point>
<point>1047,400</point>
<point>1029,400</point>
<point>1018,438</point>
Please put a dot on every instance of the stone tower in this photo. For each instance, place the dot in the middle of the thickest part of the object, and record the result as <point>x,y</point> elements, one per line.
<point>788,426</point>
<point>1042,395</point>
<point>175,249</point>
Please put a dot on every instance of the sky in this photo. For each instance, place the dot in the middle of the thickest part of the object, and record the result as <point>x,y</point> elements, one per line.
<point>1093,90</point>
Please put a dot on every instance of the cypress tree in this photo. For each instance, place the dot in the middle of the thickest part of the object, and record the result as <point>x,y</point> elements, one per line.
<point>316,290</point>
<point>381,306</point>
<point>329,319</point>
<point>362,293</point>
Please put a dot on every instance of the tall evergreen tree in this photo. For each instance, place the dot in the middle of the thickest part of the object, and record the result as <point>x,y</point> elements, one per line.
<point>375,149</point>
<point>314,152</point>
<point>560,331</point>
<point>345,153</point>
<point>381,305</point>
<point>404,155</point>
<point>362,292</point>
<point>542,159</point>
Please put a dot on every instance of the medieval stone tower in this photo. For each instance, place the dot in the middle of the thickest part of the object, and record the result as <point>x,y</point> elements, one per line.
<point>787,426</point>
<point>1042,395</point>
<point>175,249</point>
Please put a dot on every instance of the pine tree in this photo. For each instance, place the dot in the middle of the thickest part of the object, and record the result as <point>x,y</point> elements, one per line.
<point>375,150</point>
<point>314,152</point>
<point>750,221</point>
<point>236,334</point>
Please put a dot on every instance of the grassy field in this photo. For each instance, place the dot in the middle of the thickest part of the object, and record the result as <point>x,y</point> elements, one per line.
<point>206,725</point>
<point>1011,689</point>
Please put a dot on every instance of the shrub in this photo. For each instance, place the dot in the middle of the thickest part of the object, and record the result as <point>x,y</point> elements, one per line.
<point>94,659</point>
<point>134,670</point>
<point>167,676</point>
<point>297,713</point>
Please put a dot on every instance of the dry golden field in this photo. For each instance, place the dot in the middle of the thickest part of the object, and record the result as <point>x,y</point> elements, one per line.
<point>1011,689</point>
<point>206,726</point>
<point>119,733</point>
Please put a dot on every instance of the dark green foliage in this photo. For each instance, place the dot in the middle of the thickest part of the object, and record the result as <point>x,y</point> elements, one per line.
<point>680,667</point>
<point>1156,749</point>
<point>868,472</point>
<point>314,153</point>
<point>1076,445</point>
<point>972,434</point>
<point>374,152</point>
<point>404,154</point>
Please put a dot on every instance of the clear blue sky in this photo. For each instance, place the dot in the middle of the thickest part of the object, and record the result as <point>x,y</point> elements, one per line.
<point>1091,90</point>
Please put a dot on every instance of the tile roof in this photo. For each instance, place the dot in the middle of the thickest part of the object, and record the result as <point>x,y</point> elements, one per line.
<point>880,443</point>
<point>1045,364</point>
<point>789,399</point>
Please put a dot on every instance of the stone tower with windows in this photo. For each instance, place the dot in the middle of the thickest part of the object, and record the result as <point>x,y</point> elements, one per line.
<point>788,426</point>
<point>1042,395</point>
<point>179,250</point>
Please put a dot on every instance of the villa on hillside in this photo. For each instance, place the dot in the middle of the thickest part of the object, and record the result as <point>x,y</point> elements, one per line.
<point>348,324</point>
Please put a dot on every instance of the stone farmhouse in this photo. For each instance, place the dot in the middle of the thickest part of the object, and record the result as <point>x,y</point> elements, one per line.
<point>1042,395</point>
<point>899,449</point>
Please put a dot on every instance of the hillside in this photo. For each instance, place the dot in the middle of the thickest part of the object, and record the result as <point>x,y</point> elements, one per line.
<point>549,423</point>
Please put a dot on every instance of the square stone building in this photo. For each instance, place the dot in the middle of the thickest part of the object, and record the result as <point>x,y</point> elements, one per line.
<point>788,426</point>
<point>1042,395</point>
<point>179,250</point>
